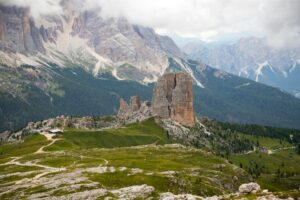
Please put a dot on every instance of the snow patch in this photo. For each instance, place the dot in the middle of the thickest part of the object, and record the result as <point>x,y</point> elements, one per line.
<point>258,71</point>
<point>285,74</point>
<point>102,62</point>
<point>297,94</point>
<point>294,65</point>
<point>242,85</point>
<point>114,72</point>
<point>244,72</point>
<point>189,70</point>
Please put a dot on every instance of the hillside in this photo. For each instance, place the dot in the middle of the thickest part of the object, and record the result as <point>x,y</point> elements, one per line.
<point>73,91</point>
<point>100,163</point>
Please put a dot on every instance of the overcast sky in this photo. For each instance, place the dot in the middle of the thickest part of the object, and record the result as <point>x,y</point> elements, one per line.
<point>277,20</point>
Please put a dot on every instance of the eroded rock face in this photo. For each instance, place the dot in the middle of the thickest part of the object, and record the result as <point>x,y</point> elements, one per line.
<point>123,107</point>
<point>249,188</point>
<point>135,111</point>
<point>173,98</point>
<point>18,32</point>
<point>135,103</point>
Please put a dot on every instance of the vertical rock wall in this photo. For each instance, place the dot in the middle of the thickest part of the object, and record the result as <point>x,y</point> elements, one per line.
<point>173,98</point>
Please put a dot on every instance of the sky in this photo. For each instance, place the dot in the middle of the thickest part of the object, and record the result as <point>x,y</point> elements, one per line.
<point>209,20</point>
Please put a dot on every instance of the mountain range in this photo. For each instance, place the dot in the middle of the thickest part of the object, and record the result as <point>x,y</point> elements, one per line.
<point>80,63</point>
<point>252,58</point>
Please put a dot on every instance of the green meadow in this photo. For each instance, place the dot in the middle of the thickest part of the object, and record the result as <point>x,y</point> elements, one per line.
<point>137,154</point>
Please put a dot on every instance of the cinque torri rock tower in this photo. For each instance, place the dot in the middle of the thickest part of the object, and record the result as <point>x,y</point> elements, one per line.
<point>173,98</point>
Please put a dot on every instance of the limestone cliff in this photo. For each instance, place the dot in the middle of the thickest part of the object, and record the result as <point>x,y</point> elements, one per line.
<point>18,32</point>
<point>173,98</point>
<point>135,111</point>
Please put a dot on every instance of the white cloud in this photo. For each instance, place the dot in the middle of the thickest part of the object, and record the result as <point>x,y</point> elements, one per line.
<point>278,20</point>
<point>37,7</point>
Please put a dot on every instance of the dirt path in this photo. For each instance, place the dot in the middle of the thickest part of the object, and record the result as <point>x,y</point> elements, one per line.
<point>50,138</point>
<point>280,149</point>
<point>15,160</point>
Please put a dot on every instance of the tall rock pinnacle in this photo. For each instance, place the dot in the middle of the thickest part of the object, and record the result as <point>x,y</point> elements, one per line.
<point>173,98</point>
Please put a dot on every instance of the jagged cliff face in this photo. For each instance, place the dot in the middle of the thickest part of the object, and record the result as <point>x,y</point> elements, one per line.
<point>135,111</point>
<point>84,37</point>
<point>173,98</point>
<point>18,32</point>
<point>253,58</point>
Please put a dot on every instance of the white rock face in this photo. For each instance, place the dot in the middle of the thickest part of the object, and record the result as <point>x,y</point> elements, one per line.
<point>212,198</point>
<point>171,196</point>
<point>132,192</point>
<point>88,194</point>
<point>271,197</point>
<point>249,188</point>
<point>84,37</point>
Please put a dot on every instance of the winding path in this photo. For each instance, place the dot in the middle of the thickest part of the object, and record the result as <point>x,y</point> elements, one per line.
<point>49,137</point>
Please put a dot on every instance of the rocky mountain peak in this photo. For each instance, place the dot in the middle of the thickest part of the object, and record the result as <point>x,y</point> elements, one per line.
<point>99,44</point>
<point>18,32</point>
<point>173,98</point>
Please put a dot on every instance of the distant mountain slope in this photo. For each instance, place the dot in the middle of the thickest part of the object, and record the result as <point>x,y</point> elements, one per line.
<point>84,37</point>
<point>73,91</point>
<point>81,64</point>
<point>253,58</point>
<point>227,97</point>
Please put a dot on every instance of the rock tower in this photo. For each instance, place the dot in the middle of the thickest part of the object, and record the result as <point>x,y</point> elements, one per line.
<point>173,98</point>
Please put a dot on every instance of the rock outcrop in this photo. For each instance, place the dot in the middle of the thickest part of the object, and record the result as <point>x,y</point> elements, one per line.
<point>135,103</point>
<point>135,111</point>
<point>249,188</point>
<point>173,98</point>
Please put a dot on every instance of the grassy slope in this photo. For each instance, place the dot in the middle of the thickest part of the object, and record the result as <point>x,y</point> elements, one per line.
<point>271,143</point>
<point>31,144</point>
<point>283,158</point>
<point>147,132</point>
<point>185,162</point>
<point>197,171</point>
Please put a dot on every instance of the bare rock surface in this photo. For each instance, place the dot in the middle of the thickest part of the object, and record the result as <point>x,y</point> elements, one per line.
<point>18,32</point>
<point>135,111</point>
<point>58,123</point>
<point>171,196</point>
<point>249,188</point>
<point>133,192</point>
<point>173,98</point>
<point>135,103</point>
